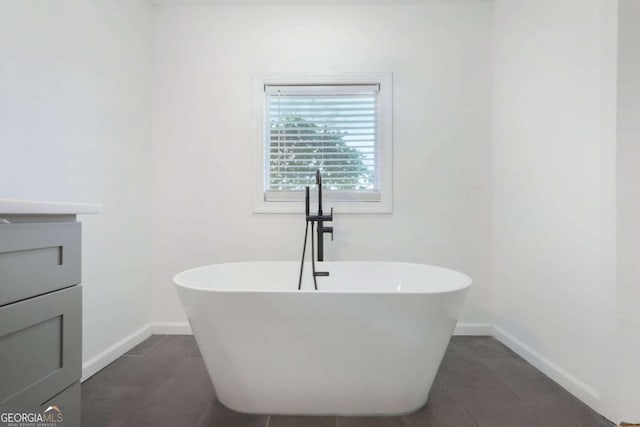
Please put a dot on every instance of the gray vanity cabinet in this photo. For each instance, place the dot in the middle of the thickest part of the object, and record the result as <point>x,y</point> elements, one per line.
<point>41,313</point>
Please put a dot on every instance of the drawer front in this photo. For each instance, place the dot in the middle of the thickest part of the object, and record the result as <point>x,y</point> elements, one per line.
<point>40,347</point>
<point>36,258</point>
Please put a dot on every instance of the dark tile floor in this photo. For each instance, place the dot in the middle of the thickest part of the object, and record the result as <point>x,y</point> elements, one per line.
<point>481,383</point>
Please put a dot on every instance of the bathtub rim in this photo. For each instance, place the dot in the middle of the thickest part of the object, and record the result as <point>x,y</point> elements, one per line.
<point>465,284</point>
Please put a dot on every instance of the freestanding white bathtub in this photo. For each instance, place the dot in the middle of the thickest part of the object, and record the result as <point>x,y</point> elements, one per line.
<point>369,341</point>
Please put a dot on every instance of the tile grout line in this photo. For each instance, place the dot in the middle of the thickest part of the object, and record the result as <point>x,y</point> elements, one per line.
<point>204,412</point>
<point>154,345</point>
<point>462,405</point>
<point>143,353</point>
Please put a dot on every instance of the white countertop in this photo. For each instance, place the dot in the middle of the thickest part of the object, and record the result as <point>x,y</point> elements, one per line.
<point>15,207</point>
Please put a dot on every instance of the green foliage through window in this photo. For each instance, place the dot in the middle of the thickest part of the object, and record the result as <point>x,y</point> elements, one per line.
<point>299,147</point>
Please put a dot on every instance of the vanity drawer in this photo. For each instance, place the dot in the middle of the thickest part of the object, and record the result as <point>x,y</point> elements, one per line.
<point>40,347</point>
<point>36,258</point>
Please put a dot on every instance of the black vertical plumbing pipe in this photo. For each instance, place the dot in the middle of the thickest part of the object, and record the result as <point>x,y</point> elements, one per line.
<point>320,222</point>
<point>306,202</point>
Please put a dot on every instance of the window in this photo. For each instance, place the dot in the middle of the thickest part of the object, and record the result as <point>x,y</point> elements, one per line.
<point>339,124</point>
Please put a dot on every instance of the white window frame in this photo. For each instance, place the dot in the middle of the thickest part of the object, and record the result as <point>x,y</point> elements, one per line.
<point>342,202</point>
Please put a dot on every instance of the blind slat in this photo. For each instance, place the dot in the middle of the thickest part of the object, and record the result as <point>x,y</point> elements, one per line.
<point>344,176</point>
<point>308,166</point>
<point>312,148</point>
<point>336,136</point>
<point>312,159</point>
<point>324,110</point>
<point>360,138</point>
<point>275,101</point>
<point>325,188</point>
<point>324,121</point>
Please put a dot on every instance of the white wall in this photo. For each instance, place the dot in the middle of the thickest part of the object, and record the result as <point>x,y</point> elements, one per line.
<point>554,190</point>
<point>75,126</point>
<point>628,110</point>
<point>204,57</point>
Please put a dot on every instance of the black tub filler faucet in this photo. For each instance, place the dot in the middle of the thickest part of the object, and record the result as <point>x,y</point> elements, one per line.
<point>319,218</point>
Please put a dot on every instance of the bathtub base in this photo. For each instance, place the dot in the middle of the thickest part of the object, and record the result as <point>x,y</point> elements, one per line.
<point>324,412</point>
<point>322,354</point>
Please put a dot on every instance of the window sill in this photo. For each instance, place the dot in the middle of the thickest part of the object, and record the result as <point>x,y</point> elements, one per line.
<point>339,207</point>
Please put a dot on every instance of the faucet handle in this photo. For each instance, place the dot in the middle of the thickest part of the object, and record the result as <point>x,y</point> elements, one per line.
<point>328,230</point>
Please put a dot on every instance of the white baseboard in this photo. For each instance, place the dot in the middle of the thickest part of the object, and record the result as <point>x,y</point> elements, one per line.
<point>475,329</point>
<point>574,385</point>
<point>104,358</point>
<point>171,328</point>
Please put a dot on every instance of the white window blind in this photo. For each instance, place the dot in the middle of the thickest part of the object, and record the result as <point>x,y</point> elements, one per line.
<point>334,128</point>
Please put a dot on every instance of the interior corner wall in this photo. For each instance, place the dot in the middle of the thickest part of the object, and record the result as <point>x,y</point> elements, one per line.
<point>75,126</point>
<point>439,54</point>
<point>628,219</point>
<point>550,189</point>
